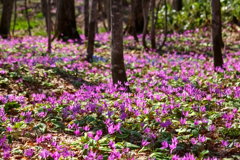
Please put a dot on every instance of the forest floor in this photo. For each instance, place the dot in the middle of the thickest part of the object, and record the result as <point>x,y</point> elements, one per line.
<point>60,105</point>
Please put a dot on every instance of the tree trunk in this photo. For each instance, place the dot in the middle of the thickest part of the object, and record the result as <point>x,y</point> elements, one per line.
<point>216,33</point>
<point>117,61</point>
<point>165,30</point>
<point>44,6</point>
<point>15,16</point>
<point>86,17</point>
<point>91,31</point>
<point>48,17</point>
<point>108,15</point>
<point>145,6</point>
<point>6,18</point>
<point>133,6</point>
<point>26,10</point>
<point>66,27</point>
<point>177,5</point>
<point>153,26</point>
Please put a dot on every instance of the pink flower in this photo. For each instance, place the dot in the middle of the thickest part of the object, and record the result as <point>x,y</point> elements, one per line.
<point>183,121</point>
<point>145,142</point>
<point>194,141</point>
<point>224,143</point>
<point>164,144</point>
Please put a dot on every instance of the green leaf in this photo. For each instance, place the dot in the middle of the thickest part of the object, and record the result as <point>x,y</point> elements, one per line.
<point>201,155</point>
<point>131,146</point>
<point>58,125</point>
<point>136,134</point>
<point>104,149</point>
<point>122,136</point>
<point>159,155</point>
<point>40,126</point>
<point>9,138</point>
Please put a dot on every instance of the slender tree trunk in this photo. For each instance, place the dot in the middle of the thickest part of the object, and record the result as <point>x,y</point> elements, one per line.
<point>177,5</point>
<point>108,15</point>
<point>49,25</point>
<point>91,31</point>
<point>26,10</point>
<point>66,27</point>
<point>133,15</point>
<point>6,18</point>
<point>44,11</point>
<point>145,6</point>
<point>165,30</point>
<point>117,60</point>
<point>15,16</point>
<point>216,33</point>
<point>153,26</point>
<point>86,17</point>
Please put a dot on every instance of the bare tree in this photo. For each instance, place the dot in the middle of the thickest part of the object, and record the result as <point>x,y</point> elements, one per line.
<point>91,31</point>
<point>26,10</point>
<point>86,17</point>
<point>217,33</point>
<point>49,25</point>
<point>15,16</point>
<point>108,14</point>
<point>117,60</point>
<point>177,5</point>
<point>153,26</point>
<point>165,29</point>
<point>66,27</point>
<point>145,6</point>
<point>6,18</point>
<point>133,15</point>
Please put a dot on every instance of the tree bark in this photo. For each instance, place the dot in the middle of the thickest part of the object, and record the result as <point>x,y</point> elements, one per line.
<point>48,17</point>
<point>15,16</point>
<point>117,60</point>
<point>145,6</point>
<point>91,31</point>
<point>6,18</point>
<point>26,10</point>
<point>216,33</point>
<point>66,27</point>
<point>177,5</point>
<point>86,17</point>
<point>165,30</point>
<point>153,26</point>
<point>108,15</point>
<point>133,7</point>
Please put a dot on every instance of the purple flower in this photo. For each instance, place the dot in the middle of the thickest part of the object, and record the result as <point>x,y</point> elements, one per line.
<point>147,130</point>
<point>224,143</point>
<point>6,154</point>
<point>202,139</point>
<point>28,152</point>
<point>86,146</point>
<point>196,122</point>
<point>183,121</point>
<point>237,145</point>
<point>86,128</point>
<point>203,109</point>
<point>164,144</point>
<point>123,116</point>
<point>111,129</point>
<point>185,113</point>
<point>77,132</point>
<point>194,141</point>
<point>99,132</point>
<point>144,143</point>
<point>44,153</point>
<point>55,155</point>
<point>111,144</point>
<point>228,125</point>
<point>9,129</point>
<point>212,127</point>
<point>235,110</point>
<point>117,127</point>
